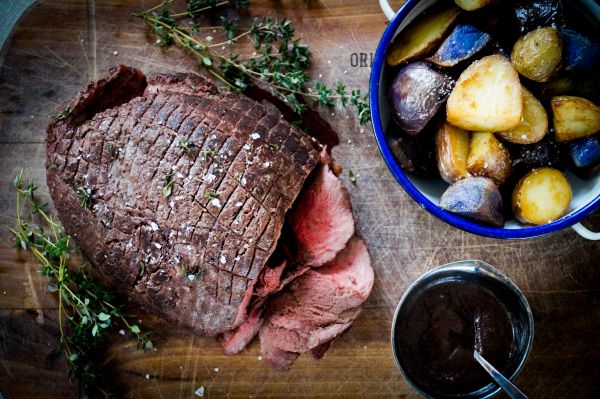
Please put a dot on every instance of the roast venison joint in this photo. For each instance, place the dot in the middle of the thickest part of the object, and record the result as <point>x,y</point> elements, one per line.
<point>209,210</point>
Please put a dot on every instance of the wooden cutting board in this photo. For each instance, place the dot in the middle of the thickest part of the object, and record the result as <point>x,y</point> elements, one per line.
<point>58,46</point>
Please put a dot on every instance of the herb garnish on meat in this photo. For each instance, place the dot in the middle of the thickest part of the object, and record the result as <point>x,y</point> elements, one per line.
<point>185,145</point>
<point>63,115</point>
<point>168,185</point>
<point>84,195</point>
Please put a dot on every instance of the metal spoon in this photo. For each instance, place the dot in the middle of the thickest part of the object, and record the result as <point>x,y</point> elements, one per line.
<point>504,383</point>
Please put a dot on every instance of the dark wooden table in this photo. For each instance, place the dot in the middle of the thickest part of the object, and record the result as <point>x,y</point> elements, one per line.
<point>59,45</point>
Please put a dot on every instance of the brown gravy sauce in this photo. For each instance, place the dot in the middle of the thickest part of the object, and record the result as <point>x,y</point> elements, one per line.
<point>439,330</point>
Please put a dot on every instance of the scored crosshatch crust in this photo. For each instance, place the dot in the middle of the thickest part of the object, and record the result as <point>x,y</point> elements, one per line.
<point>122,149</point>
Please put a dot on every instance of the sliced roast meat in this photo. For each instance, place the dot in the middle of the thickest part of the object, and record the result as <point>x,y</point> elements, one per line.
<point>317,306</point>
<point>321,220</point>
<point>269,280</point>
<point>280,359</point>
<point>323,188</point>
<point>236,340</point>
<point>318,352</point>
<point>175,192</point>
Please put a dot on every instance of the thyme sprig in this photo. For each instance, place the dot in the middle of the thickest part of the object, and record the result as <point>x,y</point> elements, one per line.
<point>279,60</point>
<point>86,309</point>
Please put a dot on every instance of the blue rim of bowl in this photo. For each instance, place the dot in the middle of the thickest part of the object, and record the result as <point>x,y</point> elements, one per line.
<point>468,266</point>
<point>450,218</point>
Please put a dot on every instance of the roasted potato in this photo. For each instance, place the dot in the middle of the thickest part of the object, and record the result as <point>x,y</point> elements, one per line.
<point>475,198</point>
<point>562,85</point>
<point>470,5</point>
<point>464,42</point>
<point>586,152</point>
<point>568,84</point>
<point>534,123</point>
<point>547,153</point>
<point>418,92</point>
<point>538,54</point>
<point>487,97</point>
<point>581,53</point>
<point>541,196</point>
<point>452,150</point>
<point>488,158</point>
<point>416,155</point>
<point>423,35</point>
<point>574,118</point>
<point>532,14</point>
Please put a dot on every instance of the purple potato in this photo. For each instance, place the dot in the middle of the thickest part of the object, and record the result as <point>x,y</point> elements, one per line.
<point>533,14</point>
<point>581,53</point>
<point>586,152</point>
<point>416,155</point>
<point>568,84</point>
<point>418,92</point>
<point>464,42</point>
<point>476,198</point>
<point>547,153</point>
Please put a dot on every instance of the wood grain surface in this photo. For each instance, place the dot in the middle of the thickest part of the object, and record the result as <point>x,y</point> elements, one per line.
<point>58,46</point>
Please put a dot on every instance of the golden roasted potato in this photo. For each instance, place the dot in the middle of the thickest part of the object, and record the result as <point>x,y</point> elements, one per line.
<point>487,97</point>
<point>534,123</point>
<point>574,118</point>
<point>488,158</point>
<point>471,5</point>
<point>538,54</point>
<point>451,152</point>
<point>541,196</point>
<point>422,35</point>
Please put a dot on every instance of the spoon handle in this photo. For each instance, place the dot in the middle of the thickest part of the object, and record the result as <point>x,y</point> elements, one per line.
<point>504,383</point>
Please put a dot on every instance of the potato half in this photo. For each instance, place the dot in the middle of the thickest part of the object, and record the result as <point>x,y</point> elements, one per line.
<point>475,198</point>
<point>487,97</point>
<point>538,54</point>
<point>541,196</point>
<point>488,158</point>
<point>416,95</point>
<point>422,35</point>
<point>471,5</point>
<point>534,123</point>
<point>574,118</point>
<point>452,150</point>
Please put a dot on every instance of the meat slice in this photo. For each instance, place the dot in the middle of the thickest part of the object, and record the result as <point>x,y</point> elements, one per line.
<point>322,220</point>
<point>317,307</point>
<point>236,340</point>
<point>270,281</point>
<point>321,224</point>
<point>188,190</point>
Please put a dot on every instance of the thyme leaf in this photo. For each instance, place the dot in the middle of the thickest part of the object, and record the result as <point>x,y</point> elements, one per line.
<point>209,152</point>
<point>168,185</point>
<point>211,195</point>
<point>84,195</point>
<point>352,176</point>
<point>63,115</point>
<point>185,145</point>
